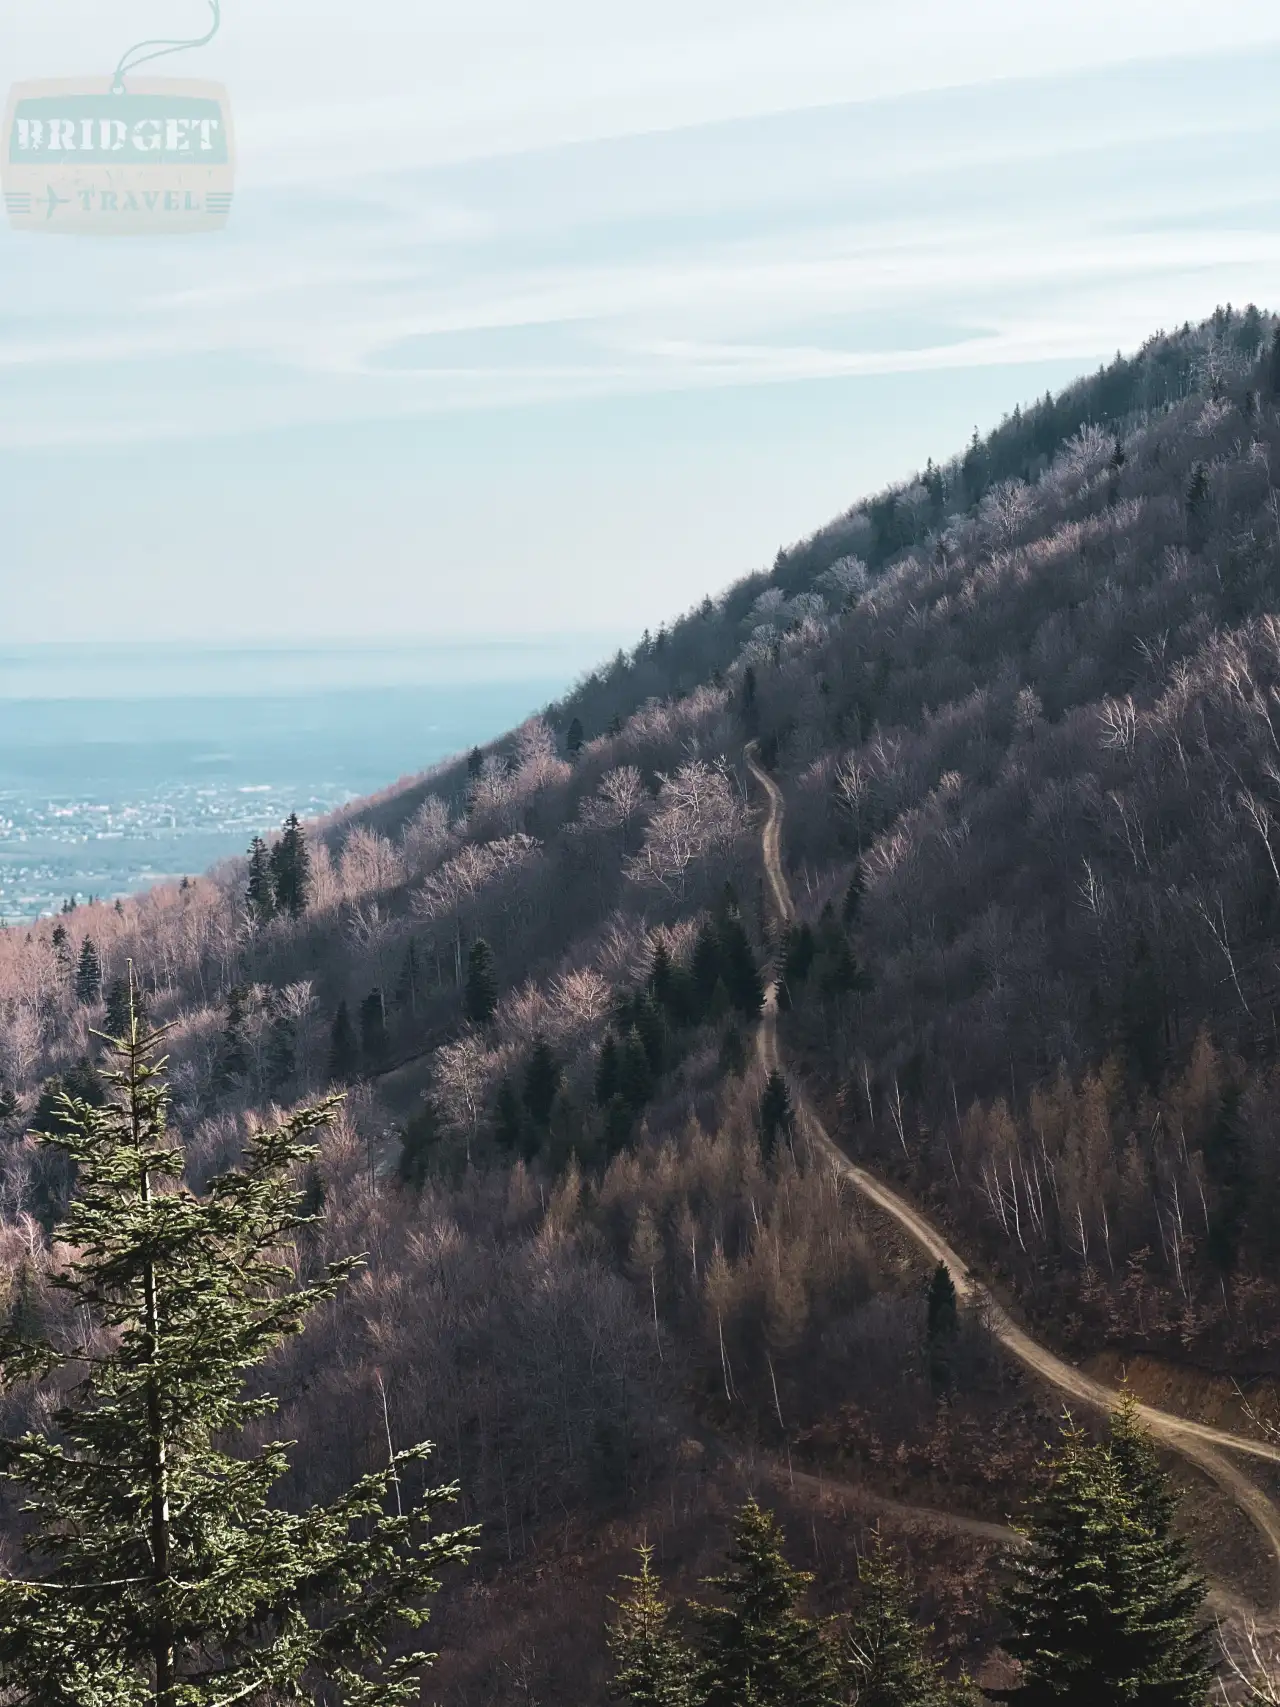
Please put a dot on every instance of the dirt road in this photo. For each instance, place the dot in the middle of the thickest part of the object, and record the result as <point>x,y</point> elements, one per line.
<point>1199,1444</point>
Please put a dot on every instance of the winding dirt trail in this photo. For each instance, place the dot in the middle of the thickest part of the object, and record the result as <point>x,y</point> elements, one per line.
<point>1199,1444</point>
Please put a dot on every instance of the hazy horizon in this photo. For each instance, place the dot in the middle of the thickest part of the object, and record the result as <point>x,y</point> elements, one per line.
<point>122,766</point>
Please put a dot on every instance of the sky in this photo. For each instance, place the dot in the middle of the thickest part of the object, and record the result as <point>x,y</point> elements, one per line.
<point>538,320</point>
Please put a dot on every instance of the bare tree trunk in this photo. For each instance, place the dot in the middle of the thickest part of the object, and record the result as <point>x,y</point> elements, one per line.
<point>162,1645</point>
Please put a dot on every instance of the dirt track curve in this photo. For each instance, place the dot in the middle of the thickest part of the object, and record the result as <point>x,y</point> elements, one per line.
<point>1196,1442</point>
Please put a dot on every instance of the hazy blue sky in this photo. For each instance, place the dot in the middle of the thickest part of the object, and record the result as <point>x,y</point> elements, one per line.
<point>540,318</point>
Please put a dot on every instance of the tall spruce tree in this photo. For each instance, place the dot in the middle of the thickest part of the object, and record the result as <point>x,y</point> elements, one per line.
<point>1104,1609</point>
<point>705,969</point>
<point>162,1571</point>
<point>738,966</point>
<point>291,869</point>
<point>508,1120</point>
<point>88,975</point>
<point>608,1071</point>
<point>62,953</point>
<point>344,1048</point>
<point>418,1143</point>
<point>884,1660</point>
<point>798,955</point>
<point>410,983</point>
<point>541,1082</point>
<point>260,889</point>
<point>233,1054</point>
<point>652,1666</point>
<point>124,1001</point>
<point>760,1647</point>
<point>480,996</point>
<point>282,1053</point>
<point>635,1072</point>
<point>776,1116</point>
<point>374,1041</point>
<point>942,1327</point>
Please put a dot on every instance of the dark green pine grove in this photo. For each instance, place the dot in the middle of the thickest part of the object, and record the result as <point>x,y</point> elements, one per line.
<point>159,1570</point>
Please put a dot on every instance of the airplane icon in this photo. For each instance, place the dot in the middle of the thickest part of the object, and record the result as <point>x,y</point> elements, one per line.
<point>55,201</point>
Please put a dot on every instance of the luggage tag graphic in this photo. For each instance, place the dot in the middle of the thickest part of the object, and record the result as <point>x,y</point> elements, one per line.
<point>120,155</point>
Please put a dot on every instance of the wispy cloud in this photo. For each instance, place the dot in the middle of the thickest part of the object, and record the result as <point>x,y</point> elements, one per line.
<point>453,217</point>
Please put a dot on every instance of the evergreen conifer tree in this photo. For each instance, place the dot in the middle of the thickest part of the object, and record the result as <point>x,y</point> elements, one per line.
<point>508,1120</point>
<point>162,1571</point>
<point>88,975</point>
<point>475,763</point>
<point>344,1048</point>
<point>608,1071</point>
<point>776,1115</point>
<point>760,1647</point>
<point>853,896</point>
<point>733,1051</point>
<point>575,737</point>
<point>124,999</point>
<point>652,1666</point>
<point>480,997</point>
<point>1198,492</point>
<point>233,1057</point>
<point>418,1142</point>
<point>1169,1593</point>
<point>1104,1609</point>
<point>53,1175</point>
<point>672,988</point>
<point>410,983</point>
<point>705,969</point>
<point>1274,363</point>
<point>798,957</point>
<point>942,1326</point>
<point>291,869</point>
<point>541,1082</point>
<point>635,1074</point>
<point>884,1661</point>
<point>27,1313</point>
<point>837,970</point>
<point>61,944</point>
<point>282,1053</point>
<point>738,967</point>
<point>650,1030</point>
<point>260,890</point>
<point>660,975</point>
<point>750,707</point>
<point>374,1042</point>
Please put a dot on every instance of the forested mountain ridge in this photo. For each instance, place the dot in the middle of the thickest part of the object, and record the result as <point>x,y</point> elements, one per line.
<point>1025,711</point>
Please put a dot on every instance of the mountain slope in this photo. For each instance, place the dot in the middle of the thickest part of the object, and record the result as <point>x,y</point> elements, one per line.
<point>1024,713</point>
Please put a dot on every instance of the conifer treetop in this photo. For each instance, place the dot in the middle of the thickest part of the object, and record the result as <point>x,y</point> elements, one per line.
<point>653,1667</point>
